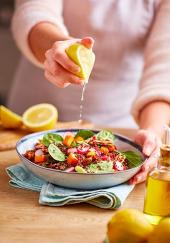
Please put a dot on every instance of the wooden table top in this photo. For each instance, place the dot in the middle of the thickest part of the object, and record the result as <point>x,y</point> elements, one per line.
<point>22,219</point>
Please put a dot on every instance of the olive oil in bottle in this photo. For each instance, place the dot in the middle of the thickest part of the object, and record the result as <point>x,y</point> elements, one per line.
<point>157,198</point>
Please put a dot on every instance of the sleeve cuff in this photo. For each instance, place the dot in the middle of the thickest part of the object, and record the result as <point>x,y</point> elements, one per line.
<point>147,96</point>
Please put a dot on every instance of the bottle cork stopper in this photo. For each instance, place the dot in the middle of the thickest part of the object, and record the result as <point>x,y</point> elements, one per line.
<point>165,148</point>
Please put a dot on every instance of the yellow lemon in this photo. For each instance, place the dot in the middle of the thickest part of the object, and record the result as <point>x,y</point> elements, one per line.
<point>40,117</point>
<point>83,57</point>
<point>128,226</point>
<point>9,119</point>
<point>161,233</point>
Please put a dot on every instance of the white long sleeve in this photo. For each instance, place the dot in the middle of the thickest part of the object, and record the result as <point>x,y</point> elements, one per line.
<point>155,81</point>
<point>27,14</point>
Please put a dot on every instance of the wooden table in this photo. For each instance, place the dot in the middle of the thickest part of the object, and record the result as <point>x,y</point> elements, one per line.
<point>23,220</point>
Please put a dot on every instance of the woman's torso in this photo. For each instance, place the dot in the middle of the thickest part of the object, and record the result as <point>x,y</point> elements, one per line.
<point>120,29</point>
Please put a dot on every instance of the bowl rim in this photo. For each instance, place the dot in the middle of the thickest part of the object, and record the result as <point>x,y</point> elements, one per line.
<point>120,137</point>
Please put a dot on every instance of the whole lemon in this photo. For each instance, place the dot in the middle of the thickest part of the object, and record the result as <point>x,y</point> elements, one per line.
<point>128,226</point>
<point>161,233</point>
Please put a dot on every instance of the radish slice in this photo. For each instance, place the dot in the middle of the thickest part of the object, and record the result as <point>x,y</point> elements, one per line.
<point>83,150</point>
<point>72,150</point>
<point>71,169</point>
<point>38,152</point>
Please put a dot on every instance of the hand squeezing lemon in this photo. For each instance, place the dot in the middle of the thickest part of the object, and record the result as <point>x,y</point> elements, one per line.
<point>84,57</point>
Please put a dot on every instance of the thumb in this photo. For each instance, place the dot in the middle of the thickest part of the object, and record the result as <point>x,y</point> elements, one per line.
<point>88,42</point>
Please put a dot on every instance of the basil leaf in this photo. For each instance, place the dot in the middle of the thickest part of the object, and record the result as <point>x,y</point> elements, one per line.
<point>105,135</point>
<point>56,153</point>
<point>51,138</point>
<point>85,134</point>
<point>133,158</point>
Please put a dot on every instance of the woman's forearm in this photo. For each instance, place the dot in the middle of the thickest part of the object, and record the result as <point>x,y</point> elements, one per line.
<point>154,116</point>
<point>41,38</point>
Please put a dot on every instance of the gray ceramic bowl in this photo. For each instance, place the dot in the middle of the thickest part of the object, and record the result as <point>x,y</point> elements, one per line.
<point>74,179</point>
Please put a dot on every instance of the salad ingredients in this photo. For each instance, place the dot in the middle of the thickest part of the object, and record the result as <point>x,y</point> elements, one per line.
<point>84,152</point>
<point>52,138</point>
<point>68,140</point>
<point>39,156</point>
<point>56,153</point>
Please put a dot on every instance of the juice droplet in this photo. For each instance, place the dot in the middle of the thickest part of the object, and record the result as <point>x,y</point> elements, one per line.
<point>81,104</point>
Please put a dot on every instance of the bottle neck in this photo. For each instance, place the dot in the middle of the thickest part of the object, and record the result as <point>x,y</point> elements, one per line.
<point>164,160</point>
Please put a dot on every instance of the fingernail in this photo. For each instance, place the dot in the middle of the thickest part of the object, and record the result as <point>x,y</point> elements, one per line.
<point>148,151</point>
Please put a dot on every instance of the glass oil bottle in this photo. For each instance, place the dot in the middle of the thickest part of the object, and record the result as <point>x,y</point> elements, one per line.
<point>157,198</point>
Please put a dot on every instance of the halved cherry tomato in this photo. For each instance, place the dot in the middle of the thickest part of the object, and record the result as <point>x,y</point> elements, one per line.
<point>68,140</point>
<point>72,159</point>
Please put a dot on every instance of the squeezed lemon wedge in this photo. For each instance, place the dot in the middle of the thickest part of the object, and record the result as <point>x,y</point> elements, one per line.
<point>9,119</point>
<point>83,57</point>
<point>40,117</point>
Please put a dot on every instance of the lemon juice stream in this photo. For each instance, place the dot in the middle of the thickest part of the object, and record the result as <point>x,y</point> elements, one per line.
<point>81,103</point>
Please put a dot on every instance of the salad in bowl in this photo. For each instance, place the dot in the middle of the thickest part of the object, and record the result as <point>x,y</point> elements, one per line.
<point>80,158</point>
<point>83,152</point>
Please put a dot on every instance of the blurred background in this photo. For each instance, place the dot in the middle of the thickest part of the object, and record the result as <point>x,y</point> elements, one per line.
<point>9,54</point>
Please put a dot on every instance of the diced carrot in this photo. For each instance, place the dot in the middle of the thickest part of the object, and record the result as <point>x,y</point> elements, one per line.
<point>40,158</point>
<point>104,150</point>
<point>72,159</point>
<point>79,139</point>
<point>68,140</point>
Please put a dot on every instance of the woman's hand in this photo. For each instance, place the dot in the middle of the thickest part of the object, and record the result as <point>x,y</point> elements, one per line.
<point>150,143</point>
<point>59,68</point>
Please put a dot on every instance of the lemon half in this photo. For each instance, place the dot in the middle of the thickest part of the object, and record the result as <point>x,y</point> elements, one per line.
<point>83,57</point>
<point>40,117</point>
<point>9,119</point>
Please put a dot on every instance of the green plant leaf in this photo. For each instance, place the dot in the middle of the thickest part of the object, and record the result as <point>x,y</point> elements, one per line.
<point>56,153</point>
<point>80,169</point>
<point>101,167</point>
<point>85,134</point>
<point>105,135</point>
<point>133,158</point>
<point>51,138</point>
